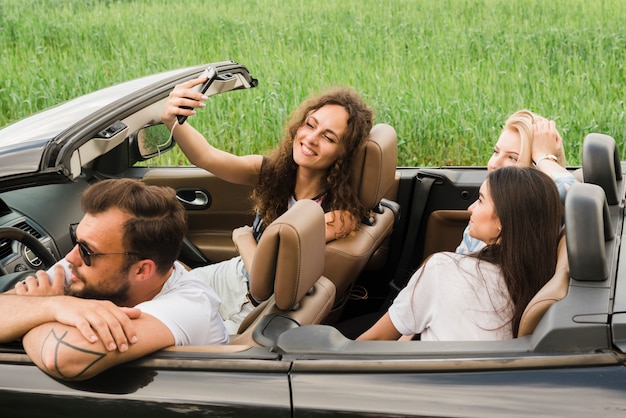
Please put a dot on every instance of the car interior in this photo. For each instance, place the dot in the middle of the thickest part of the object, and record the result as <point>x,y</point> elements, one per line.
<point>305,289</point>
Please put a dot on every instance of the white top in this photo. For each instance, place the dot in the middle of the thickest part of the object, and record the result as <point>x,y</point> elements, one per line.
<point>187,306</point>
<point>453,297</point>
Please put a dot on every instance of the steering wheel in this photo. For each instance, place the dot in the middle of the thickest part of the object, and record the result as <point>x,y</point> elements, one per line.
<point>8,232</point>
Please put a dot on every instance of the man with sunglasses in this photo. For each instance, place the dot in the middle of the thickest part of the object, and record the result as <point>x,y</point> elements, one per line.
<point>119,294</point>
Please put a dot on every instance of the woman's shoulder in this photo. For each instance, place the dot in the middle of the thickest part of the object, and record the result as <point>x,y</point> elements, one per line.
<point>445,257</point>
<point>448,261</point>
<point>462,262</point>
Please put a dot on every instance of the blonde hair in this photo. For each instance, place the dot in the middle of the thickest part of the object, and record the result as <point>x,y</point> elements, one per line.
<point>522,122</point>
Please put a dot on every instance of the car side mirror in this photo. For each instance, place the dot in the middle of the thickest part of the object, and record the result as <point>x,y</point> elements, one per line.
<point>152,141</point>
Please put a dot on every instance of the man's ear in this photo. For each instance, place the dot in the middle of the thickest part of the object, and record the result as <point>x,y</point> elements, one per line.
<point>143,269</point>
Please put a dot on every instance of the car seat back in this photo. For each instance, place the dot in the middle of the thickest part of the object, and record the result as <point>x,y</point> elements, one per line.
<point>375,165</point>
<point>286,273</point>
<point>589,228</point>
<point>582,252</point>
<point>601,165</point>
<point>444,230</point>
<point>375,174</point>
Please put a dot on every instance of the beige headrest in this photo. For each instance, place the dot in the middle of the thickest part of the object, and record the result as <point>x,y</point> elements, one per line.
<point>290,256</point>
<point>375,165</point>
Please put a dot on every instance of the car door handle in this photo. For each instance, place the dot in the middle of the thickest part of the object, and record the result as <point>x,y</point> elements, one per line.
<point>194,199</point>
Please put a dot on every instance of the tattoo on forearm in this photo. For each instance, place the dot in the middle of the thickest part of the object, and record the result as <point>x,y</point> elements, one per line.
<point>59,344</point>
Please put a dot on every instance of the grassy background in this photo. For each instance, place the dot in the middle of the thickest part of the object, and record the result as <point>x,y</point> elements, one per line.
<point>444,73</point>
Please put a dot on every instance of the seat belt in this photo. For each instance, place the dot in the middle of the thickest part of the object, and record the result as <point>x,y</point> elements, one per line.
<point>418,204</point>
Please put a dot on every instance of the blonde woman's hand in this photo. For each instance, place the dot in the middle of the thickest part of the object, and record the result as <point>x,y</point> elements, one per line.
<point>546,139</point>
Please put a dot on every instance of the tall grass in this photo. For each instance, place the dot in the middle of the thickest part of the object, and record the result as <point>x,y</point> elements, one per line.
<point>444,73</point>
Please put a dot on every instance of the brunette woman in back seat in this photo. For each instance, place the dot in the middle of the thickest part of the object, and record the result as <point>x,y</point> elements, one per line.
<point>481,296</point>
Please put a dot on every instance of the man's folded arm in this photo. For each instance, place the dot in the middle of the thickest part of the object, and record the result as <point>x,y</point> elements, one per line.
<point>63,352</point>
<point>19,314</point>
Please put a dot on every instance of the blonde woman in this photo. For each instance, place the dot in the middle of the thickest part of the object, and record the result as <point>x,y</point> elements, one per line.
<point>526,140</point>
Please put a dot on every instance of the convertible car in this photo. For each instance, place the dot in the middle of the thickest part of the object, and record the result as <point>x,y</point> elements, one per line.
<point>295,356</point>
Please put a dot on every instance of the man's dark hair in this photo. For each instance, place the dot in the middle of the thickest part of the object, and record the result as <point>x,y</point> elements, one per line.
<point>158,221</point>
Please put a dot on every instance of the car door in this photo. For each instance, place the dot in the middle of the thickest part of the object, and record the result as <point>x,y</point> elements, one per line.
<point>332,376</point>
<point>234,381</point>
<point>214,207</point>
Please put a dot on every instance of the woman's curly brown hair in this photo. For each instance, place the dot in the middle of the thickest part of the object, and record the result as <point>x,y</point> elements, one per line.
<point>277,180</point>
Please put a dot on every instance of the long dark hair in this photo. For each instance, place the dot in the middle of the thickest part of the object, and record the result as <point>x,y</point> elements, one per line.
<point>277,180</point>
<point>529,208</point>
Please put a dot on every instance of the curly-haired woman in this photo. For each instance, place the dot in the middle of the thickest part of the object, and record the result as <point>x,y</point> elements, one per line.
<point>313,161</point>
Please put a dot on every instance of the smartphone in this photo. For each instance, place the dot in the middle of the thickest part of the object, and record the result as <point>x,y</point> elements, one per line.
<point>211,73</point>
<point>66,268</point>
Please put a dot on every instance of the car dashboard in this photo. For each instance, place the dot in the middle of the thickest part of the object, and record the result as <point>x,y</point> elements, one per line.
<point>43,212</point>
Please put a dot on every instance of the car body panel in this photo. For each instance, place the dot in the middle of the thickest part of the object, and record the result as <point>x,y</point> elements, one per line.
<point>147,392</point>
<point>579,392</point>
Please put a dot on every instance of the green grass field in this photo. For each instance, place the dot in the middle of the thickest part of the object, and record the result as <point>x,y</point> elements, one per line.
<point>444,73</point>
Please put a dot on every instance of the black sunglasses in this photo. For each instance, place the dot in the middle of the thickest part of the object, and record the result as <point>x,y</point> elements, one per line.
<point>86,254</point>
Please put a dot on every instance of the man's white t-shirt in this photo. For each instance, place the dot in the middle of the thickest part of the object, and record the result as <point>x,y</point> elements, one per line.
<point>454,297</point>
<point>189,308</point>
<point>186,305</point>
